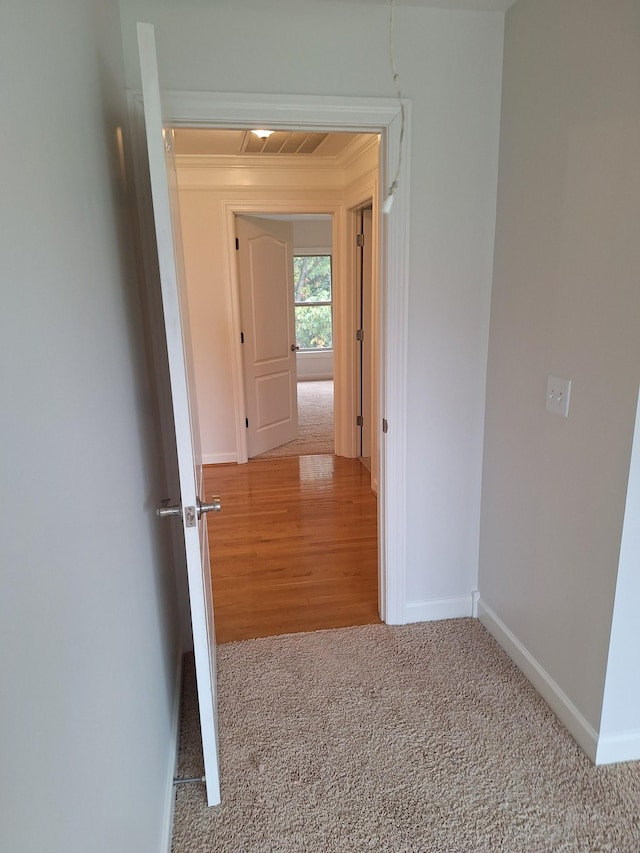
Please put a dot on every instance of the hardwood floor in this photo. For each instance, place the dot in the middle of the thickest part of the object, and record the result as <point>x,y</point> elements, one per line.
<point>294,548</point>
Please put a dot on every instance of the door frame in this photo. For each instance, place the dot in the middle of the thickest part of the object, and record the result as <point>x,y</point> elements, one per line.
<point>371,332</point>
<point>284,205</point>
<point>366,197</point>
<point>364,115</point>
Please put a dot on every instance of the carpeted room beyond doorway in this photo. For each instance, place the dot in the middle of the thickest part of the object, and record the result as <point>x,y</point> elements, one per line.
<point>414,738</point>
<point>315,422</point>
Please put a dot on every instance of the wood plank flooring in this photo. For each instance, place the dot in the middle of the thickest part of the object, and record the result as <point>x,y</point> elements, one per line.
<point>294,547</point>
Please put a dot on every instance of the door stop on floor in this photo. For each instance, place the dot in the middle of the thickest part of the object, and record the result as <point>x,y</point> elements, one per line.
<point>188,781</point>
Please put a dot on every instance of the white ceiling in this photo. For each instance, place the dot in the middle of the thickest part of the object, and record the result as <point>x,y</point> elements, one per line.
<point>473,5</point>
<point>476,5</point>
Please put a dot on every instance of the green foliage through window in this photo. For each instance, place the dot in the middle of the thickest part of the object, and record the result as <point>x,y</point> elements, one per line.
<point>312,295</point>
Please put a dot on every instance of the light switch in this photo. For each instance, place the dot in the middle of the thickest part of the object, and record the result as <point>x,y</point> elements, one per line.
<point>558,393</point>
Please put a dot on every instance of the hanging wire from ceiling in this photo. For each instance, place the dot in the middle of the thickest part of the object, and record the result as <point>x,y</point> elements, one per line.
<point>388,202</point>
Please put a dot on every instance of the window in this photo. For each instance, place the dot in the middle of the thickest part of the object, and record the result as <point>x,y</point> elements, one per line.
<point>312,296</point>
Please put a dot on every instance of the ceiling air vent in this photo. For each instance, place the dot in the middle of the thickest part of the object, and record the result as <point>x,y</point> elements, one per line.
<point>283,142</point>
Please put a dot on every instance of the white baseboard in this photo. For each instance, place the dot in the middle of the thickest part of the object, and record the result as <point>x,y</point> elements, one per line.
<point>170,801</point>
<point>437,608</point>
<point>621,747</point>
<point>582,731</point>
<point>324,376</point>
<point>218,458</point>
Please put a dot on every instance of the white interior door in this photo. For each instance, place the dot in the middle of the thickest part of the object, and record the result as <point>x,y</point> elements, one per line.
<point>192,520</point>
<point>265,274</point>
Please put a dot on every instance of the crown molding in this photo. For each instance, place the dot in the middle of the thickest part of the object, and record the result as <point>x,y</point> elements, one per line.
<point>268,162</point>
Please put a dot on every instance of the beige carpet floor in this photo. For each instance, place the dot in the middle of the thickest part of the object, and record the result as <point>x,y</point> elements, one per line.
<point>414,738</point>
<point>315,422</point>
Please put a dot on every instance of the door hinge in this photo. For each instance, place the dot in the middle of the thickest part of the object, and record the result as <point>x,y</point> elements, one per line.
<point>241,337</point>
<point>385,425</point>
<point>237,244</point>
<point>360,240</point>
<point>246,422</point>
<point>360,335</point>
<point>359,420</point>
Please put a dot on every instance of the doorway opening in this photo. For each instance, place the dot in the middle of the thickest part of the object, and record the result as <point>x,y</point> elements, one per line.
<point>162,260</point>
<point>295,287</point>
<point>285,276</point>
<point>213,110</point>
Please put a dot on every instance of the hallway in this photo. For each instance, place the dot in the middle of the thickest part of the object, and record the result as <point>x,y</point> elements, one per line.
<point>294,548</point>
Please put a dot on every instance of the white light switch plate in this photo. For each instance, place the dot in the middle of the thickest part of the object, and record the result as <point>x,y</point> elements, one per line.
<point>558,393</point>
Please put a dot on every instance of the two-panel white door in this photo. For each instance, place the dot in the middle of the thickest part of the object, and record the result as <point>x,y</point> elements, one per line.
<point>190,510</point>
<point>265,274</point>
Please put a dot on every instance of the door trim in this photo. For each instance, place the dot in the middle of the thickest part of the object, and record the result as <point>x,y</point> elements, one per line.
<point>283,205</point>
<point>366,197</point>
<point>356,114</point>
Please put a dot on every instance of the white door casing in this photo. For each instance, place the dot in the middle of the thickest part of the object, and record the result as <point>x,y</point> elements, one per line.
<point>284,203</point>
<point>365,315</point>
<point>176,321</point>
<point>265,273</point>
<point>354,114</point>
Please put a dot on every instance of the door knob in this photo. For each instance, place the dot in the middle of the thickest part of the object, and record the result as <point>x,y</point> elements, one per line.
<point>167,511</point>
<point>214,505</point>
<point>294,347</point>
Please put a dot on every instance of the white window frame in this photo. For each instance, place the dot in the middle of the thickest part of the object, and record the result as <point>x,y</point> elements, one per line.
<point>316,253</point>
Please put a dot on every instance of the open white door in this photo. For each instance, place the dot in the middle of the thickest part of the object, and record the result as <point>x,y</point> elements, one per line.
<point>190,509</point>
<point>265,273</point>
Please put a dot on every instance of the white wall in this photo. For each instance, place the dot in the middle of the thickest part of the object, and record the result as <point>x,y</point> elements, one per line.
<point>87,624</point>
<point>450,66</point>
<point>312,235</point>
<point>209,310</point>
<point>313,366</point>
<point>565,301</point>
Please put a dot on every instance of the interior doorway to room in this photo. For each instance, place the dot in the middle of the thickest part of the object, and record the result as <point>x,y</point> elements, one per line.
<point>286,312</point>
<point>297,545</point>
<point>212,109</point>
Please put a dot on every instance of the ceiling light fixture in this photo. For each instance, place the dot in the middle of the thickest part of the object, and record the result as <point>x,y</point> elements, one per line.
<point>262,134</point>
